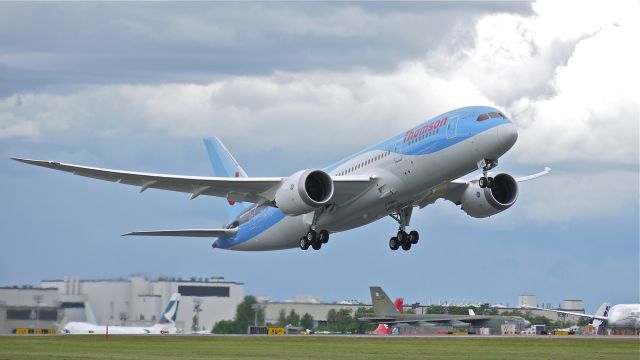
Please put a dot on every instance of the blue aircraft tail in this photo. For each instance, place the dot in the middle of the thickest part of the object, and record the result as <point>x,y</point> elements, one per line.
<point>225,165</point>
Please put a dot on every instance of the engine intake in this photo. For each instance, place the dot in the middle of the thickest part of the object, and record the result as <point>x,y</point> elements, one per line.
<point>304,191</point>
<point>480,203</point>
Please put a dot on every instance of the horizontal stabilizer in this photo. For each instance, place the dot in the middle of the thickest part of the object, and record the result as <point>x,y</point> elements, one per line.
<point>186,232</point>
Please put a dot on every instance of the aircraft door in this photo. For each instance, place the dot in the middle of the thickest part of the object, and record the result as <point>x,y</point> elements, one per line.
<point>253,220</point>
<point>452,126</point>
<point>397,152</point>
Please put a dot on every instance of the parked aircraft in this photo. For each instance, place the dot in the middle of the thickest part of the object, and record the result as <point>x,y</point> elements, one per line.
<point>616,316</point>
<point>411,169</point>
<point>385,312</point>
<point>166,324</point>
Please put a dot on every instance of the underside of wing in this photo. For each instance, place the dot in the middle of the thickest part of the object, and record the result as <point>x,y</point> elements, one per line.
<point>210,233</point>
<point>453,190</point>
<point>239,189</point>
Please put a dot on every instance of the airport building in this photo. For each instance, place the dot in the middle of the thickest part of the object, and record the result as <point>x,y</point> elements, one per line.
<point>28,309</point>
<point>136,301</point>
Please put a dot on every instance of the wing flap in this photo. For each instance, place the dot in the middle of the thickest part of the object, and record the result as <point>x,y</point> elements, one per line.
<point>346,188</point>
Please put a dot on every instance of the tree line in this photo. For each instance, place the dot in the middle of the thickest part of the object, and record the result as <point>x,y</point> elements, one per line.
<point>338,321</point>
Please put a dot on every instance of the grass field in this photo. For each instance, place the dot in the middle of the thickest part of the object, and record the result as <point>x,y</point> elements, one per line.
<point>313,347</point>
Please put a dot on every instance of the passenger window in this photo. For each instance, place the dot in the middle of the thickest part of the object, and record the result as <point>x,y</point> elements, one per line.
<point>482,117</point>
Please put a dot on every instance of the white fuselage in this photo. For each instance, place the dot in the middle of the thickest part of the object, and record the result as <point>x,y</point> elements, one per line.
<point>86,328</point>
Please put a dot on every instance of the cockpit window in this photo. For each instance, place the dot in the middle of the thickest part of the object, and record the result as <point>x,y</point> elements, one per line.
<point>492,114</point>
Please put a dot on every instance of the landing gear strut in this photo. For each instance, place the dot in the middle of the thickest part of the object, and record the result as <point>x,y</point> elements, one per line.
<point>314,239</point>
<point>485,165</point>
<point>402,239</point>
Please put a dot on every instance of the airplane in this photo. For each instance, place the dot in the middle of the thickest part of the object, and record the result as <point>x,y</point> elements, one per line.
<point>624,316</point>
<point>385,312</point>
<point>411,169</point>
<point>166,324</point>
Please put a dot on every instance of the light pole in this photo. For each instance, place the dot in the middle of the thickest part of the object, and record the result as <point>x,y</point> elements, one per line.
<point>38,299</point>
<point>256,307</point>
<point>197,303</point>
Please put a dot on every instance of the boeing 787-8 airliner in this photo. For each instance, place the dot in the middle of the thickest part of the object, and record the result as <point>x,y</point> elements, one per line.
<point>411,169</point>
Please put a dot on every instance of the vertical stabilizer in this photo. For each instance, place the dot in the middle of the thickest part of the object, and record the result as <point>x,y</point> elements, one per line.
<point>381,302</point>
<point>225,165</point>
<point>170,313</point>
<point>90,317</point>
<point>600,325</point>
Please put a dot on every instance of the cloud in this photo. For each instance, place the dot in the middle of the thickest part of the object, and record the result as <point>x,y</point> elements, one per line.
<point>198,42</point>
<point>285,109</point>
<point>563,197</point>
<point>571,91</point>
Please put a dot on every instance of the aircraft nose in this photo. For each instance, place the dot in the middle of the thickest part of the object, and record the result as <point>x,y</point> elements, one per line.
<point>507,136</point>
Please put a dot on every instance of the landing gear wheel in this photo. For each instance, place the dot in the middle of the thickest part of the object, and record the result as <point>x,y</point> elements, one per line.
<point>490,183</point>
<point>414,237</point>
<point>406,246</point>
<point>304,244</point>
<point>393,243</point>
<point>402,236</point>
<point>482,182</point>
<point>311,237</point>
<point>323,236</point>
<point>316,245</point>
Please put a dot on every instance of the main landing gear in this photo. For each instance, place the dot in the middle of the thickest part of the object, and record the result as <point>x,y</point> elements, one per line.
<point>403,239</point>
<point>314,239</point>
<point>485,165</point>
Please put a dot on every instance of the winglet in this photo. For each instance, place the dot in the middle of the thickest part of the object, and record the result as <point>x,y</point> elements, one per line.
<point>534,176</point>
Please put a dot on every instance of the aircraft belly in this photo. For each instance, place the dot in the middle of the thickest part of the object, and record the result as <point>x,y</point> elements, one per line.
<point>283,235</point>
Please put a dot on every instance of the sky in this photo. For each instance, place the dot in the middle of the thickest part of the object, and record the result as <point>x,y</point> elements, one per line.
<point>289,86</point>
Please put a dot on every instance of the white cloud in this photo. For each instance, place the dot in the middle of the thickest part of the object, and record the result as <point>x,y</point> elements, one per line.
<point>284,109</point>
<point>571,86</point>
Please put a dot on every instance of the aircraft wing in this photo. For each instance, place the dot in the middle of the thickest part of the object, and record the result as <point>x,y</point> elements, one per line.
<point>603,318</point>
<point>442,320</point>
<point>186,232</point>
<point>454,189</point>
<point>251,189</point>
<point>378,319</point>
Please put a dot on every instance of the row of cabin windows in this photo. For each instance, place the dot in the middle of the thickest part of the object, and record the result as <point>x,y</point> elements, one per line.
<point>424,136</point>
<point>364,163</point>
<point>484,117</point>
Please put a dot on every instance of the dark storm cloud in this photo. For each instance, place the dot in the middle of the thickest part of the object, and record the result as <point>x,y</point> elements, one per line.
<point>69,43</point>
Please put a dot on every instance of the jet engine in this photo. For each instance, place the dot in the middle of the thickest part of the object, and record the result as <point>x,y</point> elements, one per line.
<point>304,191</point>
<point>480,203</point>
